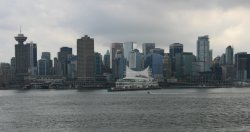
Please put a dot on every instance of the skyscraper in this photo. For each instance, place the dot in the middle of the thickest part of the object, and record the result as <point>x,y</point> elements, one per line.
<point>45,64</point>
<point>85,57</point>
<point>157,51</point>
<point>127,46</point>
<point>46,55</point>
<point>98,64</point>
<point>43,67</point>
<point>167,66</point>
<point>119,65</point>
<point>107,60</point>
<point>174,49</point>
<point>63,59</point>
<point>223,59</point>
<point>114,48</point>
<point>242,63</point>
<point>229,55</point>
<point>72,67</point>
<point>146,47</point>
<point>32,53</point>
<point>204,53</point>
<point>20,55</point>
<point>13,62</point>
<point>155,62</point>
<point>26,57</point>
<point>57,67</point>
<point>184,63</point>
<point>134,60</point>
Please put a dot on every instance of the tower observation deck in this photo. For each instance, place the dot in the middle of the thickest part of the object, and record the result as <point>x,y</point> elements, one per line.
<point>20,38</point>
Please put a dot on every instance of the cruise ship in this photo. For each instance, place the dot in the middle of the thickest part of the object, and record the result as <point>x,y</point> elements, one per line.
<point>136,80</point>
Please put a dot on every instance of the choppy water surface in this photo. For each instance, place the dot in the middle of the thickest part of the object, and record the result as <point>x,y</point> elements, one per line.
<point>98,110</point>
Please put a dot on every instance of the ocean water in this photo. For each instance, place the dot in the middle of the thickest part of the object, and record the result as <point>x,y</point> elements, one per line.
<point>131,111</point>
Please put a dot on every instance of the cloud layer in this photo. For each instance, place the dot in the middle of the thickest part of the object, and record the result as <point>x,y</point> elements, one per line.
<point>57,23</point>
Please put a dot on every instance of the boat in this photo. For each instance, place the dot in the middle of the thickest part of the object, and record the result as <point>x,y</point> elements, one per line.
<point>136,80</point>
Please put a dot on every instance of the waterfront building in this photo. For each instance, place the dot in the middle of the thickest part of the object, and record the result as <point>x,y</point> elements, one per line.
<point>204,54</point>
<point>98,64</point>
<point>62,58</point>
<point>174,49</point>
<point>136,80</point>
<point>127,46</point>
<point>85,57</point>
<point>106,60</point>
<point>229,55</point>
<point>134,60</point>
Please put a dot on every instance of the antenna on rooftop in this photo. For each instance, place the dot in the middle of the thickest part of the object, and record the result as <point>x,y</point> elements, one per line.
<point>20,29</point>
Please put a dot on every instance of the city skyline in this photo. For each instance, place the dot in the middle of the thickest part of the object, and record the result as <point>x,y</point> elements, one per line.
<point>162,23</point>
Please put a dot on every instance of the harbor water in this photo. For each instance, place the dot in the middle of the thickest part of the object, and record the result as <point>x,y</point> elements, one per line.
<point>221,109</point>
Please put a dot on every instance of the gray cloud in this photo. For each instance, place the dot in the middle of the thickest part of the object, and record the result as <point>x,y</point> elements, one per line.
<point>57,23</point>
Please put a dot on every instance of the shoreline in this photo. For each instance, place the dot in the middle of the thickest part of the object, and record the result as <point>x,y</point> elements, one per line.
<point>163,87</point>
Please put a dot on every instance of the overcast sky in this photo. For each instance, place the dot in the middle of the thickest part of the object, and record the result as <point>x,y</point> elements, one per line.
<point>56,23</point>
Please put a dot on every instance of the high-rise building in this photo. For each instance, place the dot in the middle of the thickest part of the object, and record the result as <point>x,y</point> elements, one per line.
<point>184,63</point>
<point>134,60</point>
<point>119,65</point>
<point>174,49</point>
<point>72,67</point>
<point>85,57</point>
<point>156,64</point>
<point>114,48</point>
<point>63,59</point>
<point>7,74</point>
<point>157,51</point>
<point>98,64</point>
<point>46,55</point>
<point>45,64</point>
<point>127,46</point>
<point>146,47</point>
<point>26,57</point>
<point>229,55</point>
<point>107,60</point>
<point>43,67</point>
<point>167,66</point>
<point>204,54</point>
<point>13,62</point>
<point>223,59</point>
<point>57,67</point>
<point>242,64</point>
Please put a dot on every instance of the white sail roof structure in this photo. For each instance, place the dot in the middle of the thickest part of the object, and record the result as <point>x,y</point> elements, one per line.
<point>131,74</point>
